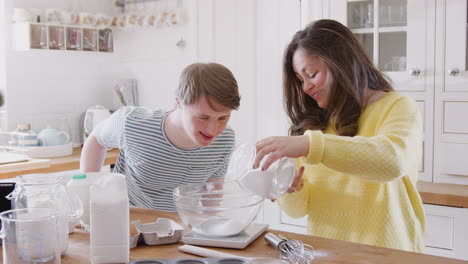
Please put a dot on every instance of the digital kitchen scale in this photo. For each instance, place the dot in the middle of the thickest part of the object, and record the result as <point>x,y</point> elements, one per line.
<point>238,241</point>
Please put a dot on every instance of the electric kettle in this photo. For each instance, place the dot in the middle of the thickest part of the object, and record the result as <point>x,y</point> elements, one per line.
<point>94,115</point>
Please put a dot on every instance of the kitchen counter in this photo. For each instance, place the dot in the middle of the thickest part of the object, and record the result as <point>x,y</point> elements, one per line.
<point>57,164</point>
<point>431,193</point>
<point>446,194</point>
<point>326,250</point>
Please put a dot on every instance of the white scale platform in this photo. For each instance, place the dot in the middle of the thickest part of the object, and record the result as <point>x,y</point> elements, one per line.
<point>238,241</point>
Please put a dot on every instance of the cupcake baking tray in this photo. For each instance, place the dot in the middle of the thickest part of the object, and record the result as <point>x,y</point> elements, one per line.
<point>193,261</point>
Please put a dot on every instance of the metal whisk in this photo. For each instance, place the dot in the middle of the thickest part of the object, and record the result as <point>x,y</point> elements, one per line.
<point>292,251</point>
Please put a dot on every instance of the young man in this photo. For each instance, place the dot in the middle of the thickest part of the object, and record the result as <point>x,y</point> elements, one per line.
<point>160,150</point>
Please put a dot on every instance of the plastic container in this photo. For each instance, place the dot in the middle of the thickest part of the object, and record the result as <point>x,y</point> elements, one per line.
<point>109,219</point>
<point>269,184</point>
<point>163,231</point>
<point>79,184</point>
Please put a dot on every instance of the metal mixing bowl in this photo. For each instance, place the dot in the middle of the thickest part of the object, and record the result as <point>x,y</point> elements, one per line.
<point>216,209</point>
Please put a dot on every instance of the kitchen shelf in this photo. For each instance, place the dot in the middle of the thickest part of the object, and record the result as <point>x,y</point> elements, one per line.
<point>28,36</point>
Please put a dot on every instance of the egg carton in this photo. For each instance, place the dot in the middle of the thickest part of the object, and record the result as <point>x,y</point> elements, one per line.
<point>163,231</point>
<point>193,261</point>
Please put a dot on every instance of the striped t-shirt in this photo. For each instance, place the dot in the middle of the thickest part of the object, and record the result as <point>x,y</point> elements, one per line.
<point>153,165</point>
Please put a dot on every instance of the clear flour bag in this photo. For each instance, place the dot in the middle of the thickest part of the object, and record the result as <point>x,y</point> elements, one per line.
<point>109,220</point>
<point>269,184</point>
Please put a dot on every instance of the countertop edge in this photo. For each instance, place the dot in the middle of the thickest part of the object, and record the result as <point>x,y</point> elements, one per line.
<point>444,194</point>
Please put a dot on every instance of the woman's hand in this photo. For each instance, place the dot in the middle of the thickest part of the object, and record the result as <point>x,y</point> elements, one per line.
<point>280,147</point>
<point>297,182</point>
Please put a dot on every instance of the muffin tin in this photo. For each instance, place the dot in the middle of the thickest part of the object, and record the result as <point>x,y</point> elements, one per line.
<point>163,231</point>
<point>193,261</point>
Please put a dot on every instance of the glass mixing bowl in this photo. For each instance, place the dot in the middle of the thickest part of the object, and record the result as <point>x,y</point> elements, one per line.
<point>216,209</point>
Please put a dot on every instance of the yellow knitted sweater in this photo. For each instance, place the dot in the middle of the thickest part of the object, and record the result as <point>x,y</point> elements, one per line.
<point>363,188</point>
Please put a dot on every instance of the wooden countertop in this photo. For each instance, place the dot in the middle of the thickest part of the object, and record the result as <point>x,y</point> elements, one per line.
<point>447,194</point>
<point>431,193</point>
<point>71,162</point>
<point>326,250</point>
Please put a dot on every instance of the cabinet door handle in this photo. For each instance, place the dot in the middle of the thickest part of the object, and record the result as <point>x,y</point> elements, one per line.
<point>415,72</point>
<point>454,71</point>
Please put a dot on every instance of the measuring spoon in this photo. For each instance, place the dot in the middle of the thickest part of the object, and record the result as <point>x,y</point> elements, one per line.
<point>204,252</point>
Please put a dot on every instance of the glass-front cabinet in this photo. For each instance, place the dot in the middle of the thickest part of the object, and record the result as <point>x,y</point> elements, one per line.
<point>393,32</point>
<point>451,93</point>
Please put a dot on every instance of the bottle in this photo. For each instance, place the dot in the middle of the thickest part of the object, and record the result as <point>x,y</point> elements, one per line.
<point>109,219</point>
<point>79,184</point>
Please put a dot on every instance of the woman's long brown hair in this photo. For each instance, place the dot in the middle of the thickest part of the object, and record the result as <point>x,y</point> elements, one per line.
<point>351,73</point>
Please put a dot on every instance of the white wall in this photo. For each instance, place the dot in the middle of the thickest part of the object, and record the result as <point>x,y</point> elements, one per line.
<point>152,57</point>
<point>44,86</point>
<point>227,34</point>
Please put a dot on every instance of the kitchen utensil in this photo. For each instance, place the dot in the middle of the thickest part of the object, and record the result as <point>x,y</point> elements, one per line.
<point>238,241</point>
<point>30,236</point>
<point>269,184</point>
<point>293,251</point>
<point>94,115</point>
<point>27,140</point>
<point>163,231</point>
<point>216,209</point>
<point>193,261</point>
<point>204,252</point>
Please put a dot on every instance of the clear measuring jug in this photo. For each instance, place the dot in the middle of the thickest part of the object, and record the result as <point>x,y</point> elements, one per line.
<point>46,191</point>
<point>30,236</point>
<point>269,184</point>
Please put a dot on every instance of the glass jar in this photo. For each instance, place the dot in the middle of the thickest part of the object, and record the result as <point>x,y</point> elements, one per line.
<point>46,191</point>
<point>269,184</point>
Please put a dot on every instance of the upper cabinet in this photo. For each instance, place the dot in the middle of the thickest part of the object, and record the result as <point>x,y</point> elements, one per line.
<point>451,93</point>
<point>396,34</point>
<point>422,46</point>
<point>454,22</point>
<point>393,32</point>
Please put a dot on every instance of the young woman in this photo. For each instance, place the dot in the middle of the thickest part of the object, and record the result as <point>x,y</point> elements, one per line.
<point>357,143</point>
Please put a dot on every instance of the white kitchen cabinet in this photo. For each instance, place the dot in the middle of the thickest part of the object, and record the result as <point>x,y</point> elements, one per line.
<point>451,93</point>
<point>422,47</point>
<point>446,229</point>
<point>399,36</point>
<point>421,54</point>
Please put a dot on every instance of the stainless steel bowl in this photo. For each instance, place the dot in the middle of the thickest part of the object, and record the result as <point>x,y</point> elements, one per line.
<point>216,209</point>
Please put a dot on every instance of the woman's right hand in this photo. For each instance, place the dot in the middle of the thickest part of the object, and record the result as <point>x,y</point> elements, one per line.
<point>297,182</point>
<point>280,147</point>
